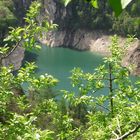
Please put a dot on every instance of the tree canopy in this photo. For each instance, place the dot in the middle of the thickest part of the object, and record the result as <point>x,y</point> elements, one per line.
<point>116,5</point>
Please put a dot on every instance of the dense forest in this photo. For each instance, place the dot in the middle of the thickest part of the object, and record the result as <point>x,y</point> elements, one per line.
<point>41,113</point>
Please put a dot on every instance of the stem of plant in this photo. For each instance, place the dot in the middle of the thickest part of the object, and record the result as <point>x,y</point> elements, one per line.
<point>111,88</point>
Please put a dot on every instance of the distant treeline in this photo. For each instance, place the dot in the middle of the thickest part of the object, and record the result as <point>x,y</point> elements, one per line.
<point>83,15</point>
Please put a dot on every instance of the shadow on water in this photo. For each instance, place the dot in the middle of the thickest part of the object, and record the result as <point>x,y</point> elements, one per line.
<point>29,57</point>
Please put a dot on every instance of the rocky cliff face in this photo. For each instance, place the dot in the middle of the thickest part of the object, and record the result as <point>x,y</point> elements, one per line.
<point>133,57</point>
<point>15,58</point>
<point>81,39</point>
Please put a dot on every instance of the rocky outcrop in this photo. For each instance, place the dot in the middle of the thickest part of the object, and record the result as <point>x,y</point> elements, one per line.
<point>95,41</point>
<point>133,57</point>
<point>15,58</point>
<point>55,11</point>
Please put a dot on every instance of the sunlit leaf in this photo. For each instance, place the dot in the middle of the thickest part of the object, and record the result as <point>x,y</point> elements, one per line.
<point>125,3</point>
<point>118,5</point>
<point>94,3</point>
<point>66,2</point>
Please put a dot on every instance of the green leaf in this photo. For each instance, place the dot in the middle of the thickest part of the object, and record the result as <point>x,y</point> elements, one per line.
<point>125,3</point>
<point>116,6</point>
<point>94,3</point>
<point>66,2</point>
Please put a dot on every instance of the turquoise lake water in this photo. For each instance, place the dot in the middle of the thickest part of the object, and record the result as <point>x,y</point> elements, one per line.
<point>58,62</point>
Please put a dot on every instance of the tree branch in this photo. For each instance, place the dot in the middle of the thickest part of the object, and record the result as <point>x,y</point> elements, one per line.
<point>11,51</point>
<point>129,133</point>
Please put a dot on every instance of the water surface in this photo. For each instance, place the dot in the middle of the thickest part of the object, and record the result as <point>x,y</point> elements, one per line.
<point>60,61</point>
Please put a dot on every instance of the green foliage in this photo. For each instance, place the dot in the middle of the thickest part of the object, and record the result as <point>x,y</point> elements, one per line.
<point>127,25</point>
<point>21,127</point>
<point>86,114</point>
<point>66,2</point>
<point>117,6</point>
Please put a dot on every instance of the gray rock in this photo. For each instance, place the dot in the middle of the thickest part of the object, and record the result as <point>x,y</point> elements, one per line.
<point>15,58</point>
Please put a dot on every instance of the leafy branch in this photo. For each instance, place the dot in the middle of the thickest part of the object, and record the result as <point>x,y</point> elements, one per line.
<point>130,132</point>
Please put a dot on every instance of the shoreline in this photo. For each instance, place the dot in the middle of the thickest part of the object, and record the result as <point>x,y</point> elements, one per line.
<point>97,42</point>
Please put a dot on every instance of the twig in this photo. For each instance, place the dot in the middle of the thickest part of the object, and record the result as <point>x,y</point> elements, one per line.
<point>11,51</point>
<point>129,133</point>
<point>115,134</point>
<point>100,104</point>
<point>111,89</point>
<point>119,128</point>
